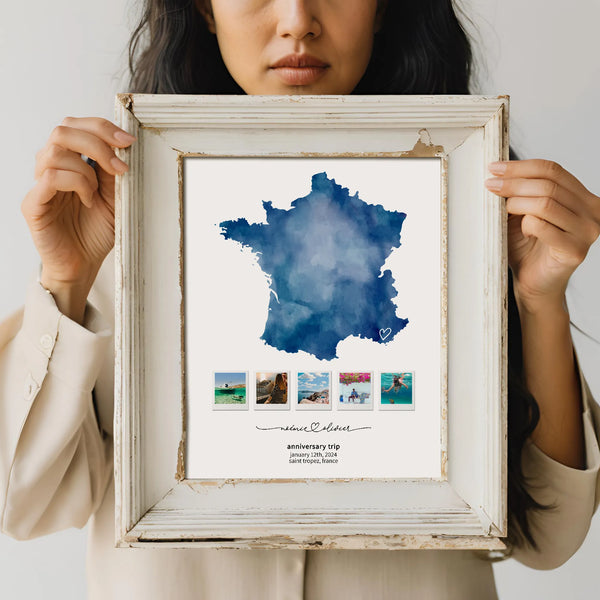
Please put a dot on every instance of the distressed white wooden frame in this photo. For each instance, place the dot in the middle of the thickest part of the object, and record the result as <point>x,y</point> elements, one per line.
<point>155,504</point>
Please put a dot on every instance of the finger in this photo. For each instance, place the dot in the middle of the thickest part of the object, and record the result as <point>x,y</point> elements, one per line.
<point>573,250</point>
<point>56,157</point>
<point>538,188</point>
<point>539,169</point>
<point>83,142</point>
<point>102,128</point>
<point>57,180</point>
<point>556,214</point>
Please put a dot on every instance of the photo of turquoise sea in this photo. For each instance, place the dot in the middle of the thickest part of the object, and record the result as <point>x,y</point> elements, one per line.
<point>396,394</point>
<point>230,388</point>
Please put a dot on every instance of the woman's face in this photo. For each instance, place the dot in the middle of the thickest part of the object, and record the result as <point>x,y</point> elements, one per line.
<point>294,46</point>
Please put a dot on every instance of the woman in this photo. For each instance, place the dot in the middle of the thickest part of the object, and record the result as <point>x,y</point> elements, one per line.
<point>55,462</point>
<point>397,383</point>
<point>278,390</point>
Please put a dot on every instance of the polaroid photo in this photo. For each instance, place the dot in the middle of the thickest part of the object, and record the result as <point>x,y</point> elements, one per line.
<point>313,391</point>
<point>230,390</point>
<point>355,391</point>
<point>272,391</point>
<point>397,390</point>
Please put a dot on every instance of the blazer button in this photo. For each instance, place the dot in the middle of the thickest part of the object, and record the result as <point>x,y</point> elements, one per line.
<point>46,342</point>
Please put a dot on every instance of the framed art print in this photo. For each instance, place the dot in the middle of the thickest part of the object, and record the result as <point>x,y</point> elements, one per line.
<point>311,325</point>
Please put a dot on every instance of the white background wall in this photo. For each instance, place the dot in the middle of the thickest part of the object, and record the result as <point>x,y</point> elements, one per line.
<point>67,58</point>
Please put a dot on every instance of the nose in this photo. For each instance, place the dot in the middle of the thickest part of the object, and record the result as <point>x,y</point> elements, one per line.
<point>297,19</point>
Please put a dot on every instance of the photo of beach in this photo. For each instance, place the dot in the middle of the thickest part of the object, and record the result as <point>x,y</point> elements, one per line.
<point>313,391</point>
<point>355,391</point>
<point>230,390</point>
<point>397,391</point>
<point>272,390</point>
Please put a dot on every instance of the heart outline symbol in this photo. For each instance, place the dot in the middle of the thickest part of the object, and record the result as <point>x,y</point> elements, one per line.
<point>383,333</point>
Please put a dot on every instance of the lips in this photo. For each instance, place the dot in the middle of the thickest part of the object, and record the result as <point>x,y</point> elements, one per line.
<point>298,61</point>
<point>299,69</point>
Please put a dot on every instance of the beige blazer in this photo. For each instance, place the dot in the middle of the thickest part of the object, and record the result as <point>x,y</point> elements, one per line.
<point>56,471</point>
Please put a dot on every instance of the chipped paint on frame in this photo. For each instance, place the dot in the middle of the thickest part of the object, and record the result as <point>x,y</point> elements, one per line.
<point>337,542</point>
<point>180,473</point>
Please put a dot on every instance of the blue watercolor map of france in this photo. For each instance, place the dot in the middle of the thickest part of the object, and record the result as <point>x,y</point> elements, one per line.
<point>323,258</point>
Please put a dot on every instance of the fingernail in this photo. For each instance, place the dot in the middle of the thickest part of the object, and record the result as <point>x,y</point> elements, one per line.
<point>497,167</point>
<point>118,165</point>
<point>494,184</point>
<point>124,137</point>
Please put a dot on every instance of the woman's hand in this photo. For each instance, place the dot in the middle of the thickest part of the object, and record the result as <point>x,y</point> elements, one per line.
<point>553,220</point>
<point>70,211</point>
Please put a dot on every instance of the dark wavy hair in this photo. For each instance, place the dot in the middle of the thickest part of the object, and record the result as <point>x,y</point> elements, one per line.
<point>421,48</point>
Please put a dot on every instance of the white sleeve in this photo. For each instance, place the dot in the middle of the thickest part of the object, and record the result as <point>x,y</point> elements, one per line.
<point>573,494</point>
<point>54,461</point>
